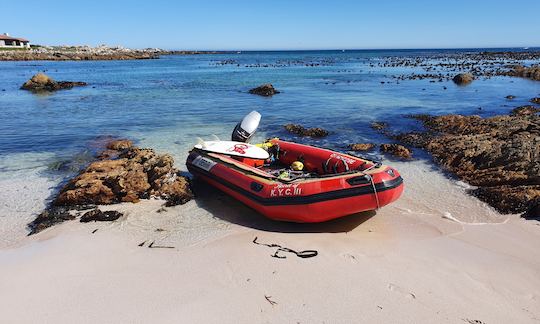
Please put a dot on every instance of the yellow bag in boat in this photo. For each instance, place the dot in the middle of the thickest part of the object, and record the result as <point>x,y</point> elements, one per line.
<point>297,166</point>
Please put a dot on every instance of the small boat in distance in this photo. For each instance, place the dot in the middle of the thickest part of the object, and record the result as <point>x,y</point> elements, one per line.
<point>294,182</point>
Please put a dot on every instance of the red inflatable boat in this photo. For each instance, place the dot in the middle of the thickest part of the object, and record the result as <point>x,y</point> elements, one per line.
<point>330,184</point>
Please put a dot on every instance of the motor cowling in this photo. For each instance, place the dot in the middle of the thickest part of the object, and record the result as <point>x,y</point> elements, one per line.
<point>245,129</point>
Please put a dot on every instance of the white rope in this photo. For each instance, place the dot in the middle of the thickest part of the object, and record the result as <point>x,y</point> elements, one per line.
<point>374,190</point>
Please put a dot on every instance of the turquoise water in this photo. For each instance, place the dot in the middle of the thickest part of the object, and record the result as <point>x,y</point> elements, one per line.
<point>168,103</point>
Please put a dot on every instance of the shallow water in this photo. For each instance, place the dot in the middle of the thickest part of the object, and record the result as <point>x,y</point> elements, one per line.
<point>167,103</point>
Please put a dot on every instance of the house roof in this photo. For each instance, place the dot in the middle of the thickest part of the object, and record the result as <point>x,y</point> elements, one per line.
<point>4,37</point>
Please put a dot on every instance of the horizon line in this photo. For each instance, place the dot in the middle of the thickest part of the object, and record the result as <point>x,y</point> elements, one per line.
<point>356,49</point>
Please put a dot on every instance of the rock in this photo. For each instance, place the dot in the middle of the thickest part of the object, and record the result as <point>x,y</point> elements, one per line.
<point>532,72</point>
<point>136,174</point>
<point>265,90</point>
<point>396,150</point>
<point>463,78</point>
<point>361,146</point>
<point>133,174</point>
<point>120,145</point>
<point>534,211</point>
<point>500,155</point>
<point>49,218</point>
<point>524,110</point>
<point>379,125</point>
<point>509,199</point>
<point>535,101</point>
<point>302,131</point>
<point>43,83</point>
<point>54,215</point>
<point>510,97</point>
<point>96,215</point>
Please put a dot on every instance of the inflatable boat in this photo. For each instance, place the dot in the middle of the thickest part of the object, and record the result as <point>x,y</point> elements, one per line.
<point>294,182</point>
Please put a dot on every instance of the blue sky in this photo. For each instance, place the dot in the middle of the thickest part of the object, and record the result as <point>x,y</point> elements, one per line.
<point>277,24</point>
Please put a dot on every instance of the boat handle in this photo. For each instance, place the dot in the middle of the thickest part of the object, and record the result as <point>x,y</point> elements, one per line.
<point>355,181</point>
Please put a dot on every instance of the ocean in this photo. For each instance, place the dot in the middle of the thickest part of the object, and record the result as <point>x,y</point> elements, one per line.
<point>166,104</point>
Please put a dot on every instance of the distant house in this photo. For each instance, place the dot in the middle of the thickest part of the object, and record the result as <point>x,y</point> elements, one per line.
<point>7,41</point>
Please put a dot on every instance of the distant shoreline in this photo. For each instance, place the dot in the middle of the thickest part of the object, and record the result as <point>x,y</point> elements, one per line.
<point>108,53</point>
<point>87,53</point>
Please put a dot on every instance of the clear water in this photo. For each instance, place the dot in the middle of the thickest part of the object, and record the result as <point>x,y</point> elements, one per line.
<point>167,103</point>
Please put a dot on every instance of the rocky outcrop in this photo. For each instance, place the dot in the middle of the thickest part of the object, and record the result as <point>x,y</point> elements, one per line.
<point>88,53</point>
<point>132,174</point>
<point>532,72</point>
<point>463,78</point>
<point>536,101</point>
<point>361,146</point>
<point>379,125</point>
<point>302,131</point>
<point>265,90</point>
<point>396,150</point>
<point>510,97</point>
<point>500,155</point>
<point>524,110</point>
<point>43,83</point>
<point>136,173</point>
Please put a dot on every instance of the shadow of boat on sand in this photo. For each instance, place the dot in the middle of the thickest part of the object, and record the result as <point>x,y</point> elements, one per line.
<point>226,208</point>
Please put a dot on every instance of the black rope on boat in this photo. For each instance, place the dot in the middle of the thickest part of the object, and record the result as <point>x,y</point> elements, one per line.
<point>302,254</point>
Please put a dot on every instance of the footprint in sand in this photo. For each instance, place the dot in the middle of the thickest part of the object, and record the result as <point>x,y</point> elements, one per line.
<point>401,291</point>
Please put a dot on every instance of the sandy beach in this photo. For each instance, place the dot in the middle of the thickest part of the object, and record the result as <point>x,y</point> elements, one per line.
<point>406,263</point>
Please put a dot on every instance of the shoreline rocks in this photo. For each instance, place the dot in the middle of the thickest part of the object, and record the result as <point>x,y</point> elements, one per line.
<point>127,175</point>
<point>43,83</point>
<point>524,111</point>
<point>361,146</point>
<point>396,150</point>
<point>499,155</point>
<point>265,90</point>
<point>302,131</point>
<point>532,72</point>
<point>88,53</point>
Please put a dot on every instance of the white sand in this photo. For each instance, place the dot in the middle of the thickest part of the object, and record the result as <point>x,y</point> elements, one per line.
<point>435,256</point>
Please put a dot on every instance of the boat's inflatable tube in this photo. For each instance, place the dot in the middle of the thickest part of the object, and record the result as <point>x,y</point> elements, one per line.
<point>331,185</point>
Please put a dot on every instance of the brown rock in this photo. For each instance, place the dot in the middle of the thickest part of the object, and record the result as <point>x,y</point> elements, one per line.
<point>302,131</point>
<point>361,146</point>
<point>524,111</point>
<point>535,101</point>
<point>41,82</point>
<point>532,72</point>
<point>265,90</point>
<point>500,154</point>
<point>379,125</point>
<point>134,174</point>
<point>463,78</point>
<point>510,97</point>
<point>120,144</point>
<point>396,150</point>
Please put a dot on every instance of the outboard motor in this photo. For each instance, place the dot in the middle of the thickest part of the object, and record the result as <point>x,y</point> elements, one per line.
<point>245,129</point>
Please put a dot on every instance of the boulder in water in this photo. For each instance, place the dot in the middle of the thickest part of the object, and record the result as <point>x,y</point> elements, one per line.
<point>43,83</point>
<point>265,90</point>
<point>463,78</point>
<point>302,131</point>
<point>361,146</point>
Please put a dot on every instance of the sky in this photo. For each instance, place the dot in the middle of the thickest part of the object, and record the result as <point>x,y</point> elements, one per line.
<point>275,25</point>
